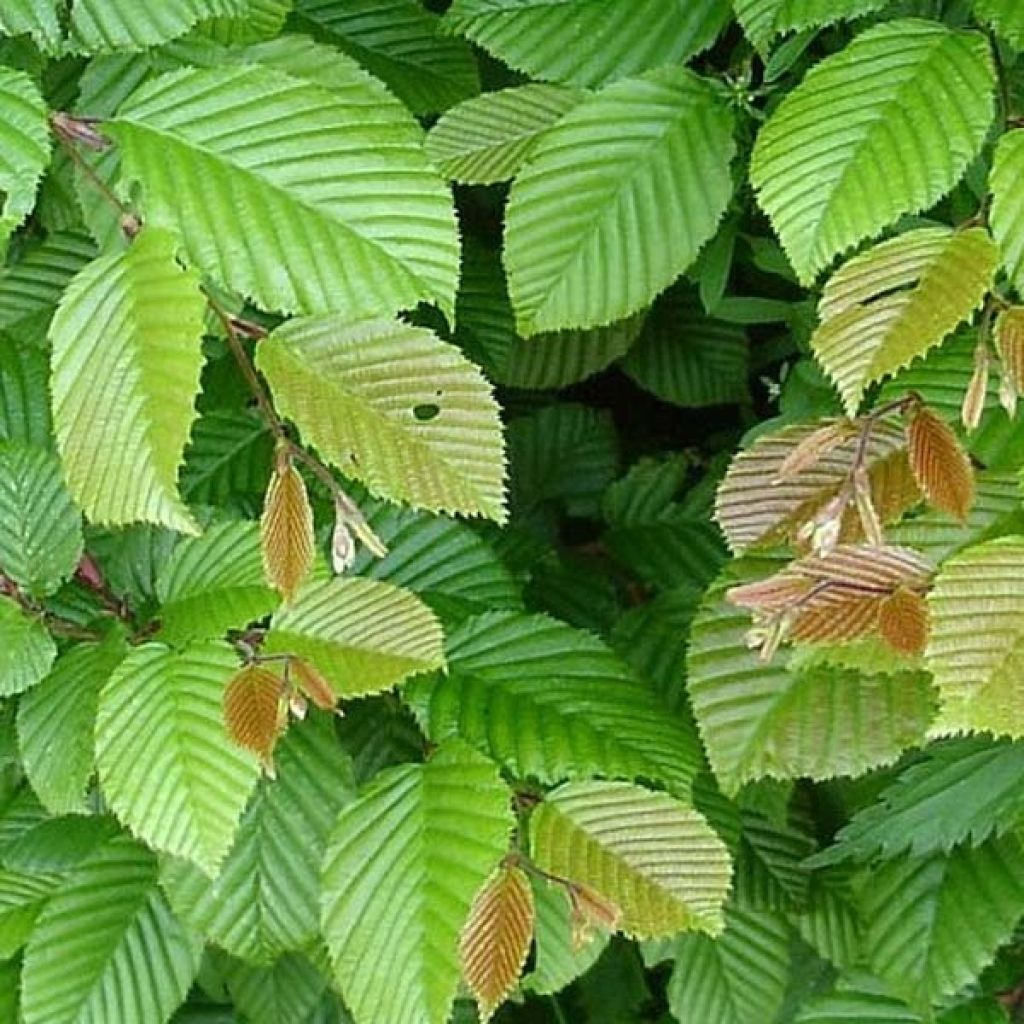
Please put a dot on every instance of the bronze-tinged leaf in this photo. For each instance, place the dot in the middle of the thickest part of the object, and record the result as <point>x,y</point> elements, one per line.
<point>846,620</point>
<point>941,466</point>
<point>252,709</point>
<point>286,529</point>
<point>903,621</point>
<point>1009,338</point>
<point>862,570</point>
<point>312,684</point>
<point>813,447</point>
<point>772,594</point>
<point>496,938</point>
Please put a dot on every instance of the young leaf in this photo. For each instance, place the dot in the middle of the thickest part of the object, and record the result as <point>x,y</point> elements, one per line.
<point>252,710</point>
<point>402,867</point>
<point>1009,339</point>
<point>312,684</point>
<point>655,858</point>
<point>355,198</point>
<point>942,468</point>
<point>496,938</point>
<point>903,621</point>
<point>394,406</point>
<point>26,649</point>
<point>166,765</point>
<point>25,141</point>
<point>126,363</point>
<point>487,139</point>
<point>825,163</point>
<point>894,302</point>
<point>361,635</point>
<point>610,250</point>
<point>286,529</point>
<point>543,40</point>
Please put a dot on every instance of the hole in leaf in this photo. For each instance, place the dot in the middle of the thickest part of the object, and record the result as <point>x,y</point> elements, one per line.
<point>426,411</point>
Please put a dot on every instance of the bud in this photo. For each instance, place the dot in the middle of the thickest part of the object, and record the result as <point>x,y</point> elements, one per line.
<point>343,546</point>
<point>974,398</point>
<point>824,529</point>
<point>589,909</point>
<point>1009,339</point>
<point>312,684</point>
<point>869,520</point>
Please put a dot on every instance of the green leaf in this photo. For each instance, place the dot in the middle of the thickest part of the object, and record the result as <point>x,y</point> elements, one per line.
<point>786,718</point>
<point>24,148</point>
<point>166,765</point>
<point>734,979</point>
<point>394,406</point>
<point>229,455</point>
<point>288,992</point>
<point>551,702</point>
<point>858,1005</point>
<point>487,139</point>
<point>975,645</point>
<point>126,364</point>
<point>214,583</point>
<point>56,721</point>
<point>40,529</point>
<point>398,41</point>
<point>687,358</point>
<point>107,947</point>
<point>377,224</point>
<point>594,246</point>
<point>830,923</point>
<point>888,306</point>
<point>655,858</point>
<point>589,42</point>
<point>961,790</point>
<point>1007,215</point>
<point>263,19</point>
<point>401,870</point>
<point>885,127</point>
<point>10,975</point>
<point>22,897</point>
<point>364,636</point>
<point>103,26</point>
<point>24,393</point>
<point>763,20</point>
<point>935,922</point>
<point>1005,16</point>
<point>37,18</point>
<point>265,899</point>
<point>26,649</point>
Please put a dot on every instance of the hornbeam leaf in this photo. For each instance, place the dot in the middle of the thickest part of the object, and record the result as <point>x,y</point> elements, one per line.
<point>104,26</point>
<point>106,946</point>
<point>40,528</point>
<point>903,621</point>
<point>864,1005</point>
<point>342,166</point>
<point>1007,214</point>
<point>935,922</point>
<point>1005,16</point>
<point>402,867</point>
<point>605,215</point>
<point>37,18</point>
<point>590,41</point>
<point>1008,334</point>
<point>884,127</point>
<point>290,991</point>
<point>126,363</point>
<point>213,583</point>
<point>488,138</point>
<point>26,649</point>
<point>252,704</point>
<point>286,529</point>
<point>976,647</point>
<point>657,859</point>
<point>551,702</point>
<point>762,20</point>
<point>24,148</point>
<point>496,938</point>
<point>166,765</point>
<point>941,466</point>
<point>894,302</point>
<point>364,636</point>
<point>393,406</point>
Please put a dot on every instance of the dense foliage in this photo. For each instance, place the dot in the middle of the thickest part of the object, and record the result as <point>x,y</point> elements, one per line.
<point>511,508</point>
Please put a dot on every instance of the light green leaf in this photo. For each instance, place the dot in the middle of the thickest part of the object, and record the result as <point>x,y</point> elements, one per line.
<point>26,649</point>
<point>588,42</point>
<point>37,18</point>
<point>265,899</point>
<point>393,406</point>
<point>166,765</point>
<point>103,26</point>
<point>214,583</point>
<point>487,139</point>
<point>655,858</point>
<point>896,301</point>
<point>884,127</point>
<point>785,718</point>
<point>24,148</point>
<point>40,528</point>
<point>934,923</point>
<point>586,248</point>
<point>364,636</point>
<point>1007,215</point>
<point>126,364</point>
<point>398,41</point>
<point>551,702</point>
<point>22,897</point>
<point>107,947</point>
<point>263,19</point>
<point>377,224</point>
<point>401,870</point>
<point>762,20</point>
<point>1006,17</point>
<point>56,722</point>
<point>735,979</point>
<point>976,641</point>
